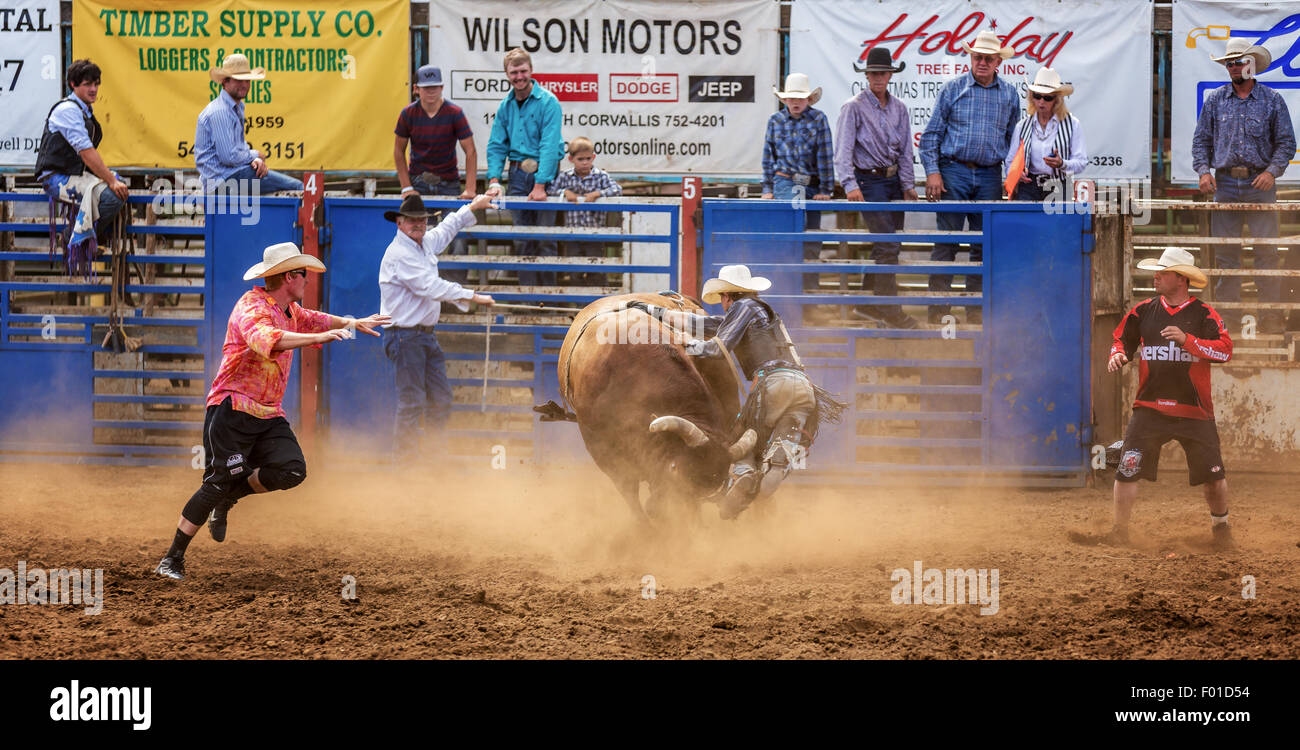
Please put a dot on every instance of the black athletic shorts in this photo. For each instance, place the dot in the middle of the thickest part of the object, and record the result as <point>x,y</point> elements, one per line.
<point>1148,430</point>
<point>235,443</point>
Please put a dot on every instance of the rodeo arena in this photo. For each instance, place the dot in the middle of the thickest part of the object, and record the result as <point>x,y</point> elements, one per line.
<point>623,330</point>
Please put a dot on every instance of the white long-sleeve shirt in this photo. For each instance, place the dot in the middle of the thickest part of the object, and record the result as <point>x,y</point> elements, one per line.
<point>410,289</point>
<point>1041,142</point>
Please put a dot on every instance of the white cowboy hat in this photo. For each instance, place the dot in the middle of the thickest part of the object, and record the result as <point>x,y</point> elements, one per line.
<point>1048,81</point>
<point>733,279</point>
<point>987,43</point>
<point>1180,262</point>
<point>1238,47</point>
<point>280,258</point>
<point>236,66</point>
<point>798,87</point>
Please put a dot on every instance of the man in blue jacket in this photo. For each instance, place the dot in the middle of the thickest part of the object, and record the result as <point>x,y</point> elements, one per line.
<point>527,132</point>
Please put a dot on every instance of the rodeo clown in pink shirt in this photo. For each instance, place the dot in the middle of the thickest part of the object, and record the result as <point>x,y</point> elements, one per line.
<point>247,441</point>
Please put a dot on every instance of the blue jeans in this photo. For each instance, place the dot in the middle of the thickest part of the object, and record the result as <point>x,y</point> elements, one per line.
<point>521,183</point>
<point>423,390</point>
<point>878,190</point>
<point>962,183</point>
<point>273,182</point>
<point>109,207</point>
<point>458,245</point>
<point>784,189</point>
<point>585,250</point>
<point>1260,224</point>
<point>1030,192</point>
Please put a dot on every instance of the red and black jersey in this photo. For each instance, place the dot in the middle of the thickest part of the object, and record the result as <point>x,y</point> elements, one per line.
<point>1173,379</point>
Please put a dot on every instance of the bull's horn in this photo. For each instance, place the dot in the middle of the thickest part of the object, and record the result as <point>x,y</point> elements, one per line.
<point>691,434</point>
<point>743,446</point>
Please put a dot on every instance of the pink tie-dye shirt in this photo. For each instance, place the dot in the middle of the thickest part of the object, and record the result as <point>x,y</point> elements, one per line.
<point>253,376</point>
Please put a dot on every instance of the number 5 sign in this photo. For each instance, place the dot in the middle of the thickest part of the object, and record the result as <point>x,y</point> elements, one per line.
<point>29,79</point>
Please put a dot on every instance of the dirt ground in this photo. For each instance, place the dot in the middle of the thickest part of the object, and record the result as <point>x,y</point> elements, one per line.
<point>511,564</point>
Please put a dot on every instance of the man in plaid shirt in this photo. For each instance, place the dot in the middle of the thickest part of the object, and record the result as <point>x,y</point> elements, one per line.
<point>798,159</point>
<point>585,183</point>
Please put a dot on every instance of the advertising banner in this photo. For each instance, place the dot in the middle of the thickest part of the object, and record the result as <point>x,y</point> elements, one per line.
<point>658,87</point>
<point>30,75</point>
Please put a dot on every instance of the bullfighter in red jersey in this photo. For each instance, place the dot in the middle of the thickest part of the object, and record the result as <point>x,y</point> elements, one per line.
<point>1178,337</point>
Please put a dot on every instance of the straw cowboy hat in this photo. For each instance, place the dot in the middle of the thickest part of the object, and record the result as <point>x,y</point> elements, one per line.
<point>280,258</point>
<point>236,66</point>
<point>1238,47</point>
<point>987,43</point>
<point>798,87</point>
<point>733,279</point>
<point>1048,81</point>
<point>1180,262</point>
<point>412,208</point>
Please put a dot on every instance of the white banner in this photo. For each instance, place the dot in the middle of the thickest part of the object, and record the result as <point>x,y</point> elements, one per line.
<point>1103,47</point>
<point>30,72</point>
<point>658,87</point>
<point>1201,31</point>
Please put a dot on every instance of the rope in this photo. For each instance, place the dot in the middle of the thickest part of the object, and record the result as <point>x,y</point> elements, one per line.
<point>487,358</point>
<point>536,308</point>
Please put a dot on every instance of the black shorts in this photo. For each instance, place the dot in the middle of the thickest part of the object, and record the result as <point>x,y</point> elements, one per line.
<point>235,443</point>
<point>1149,430</point>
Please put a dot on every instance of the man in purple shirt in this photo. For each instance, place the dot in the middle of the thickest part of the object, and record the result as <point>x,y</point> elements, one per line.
<point>873,161</point>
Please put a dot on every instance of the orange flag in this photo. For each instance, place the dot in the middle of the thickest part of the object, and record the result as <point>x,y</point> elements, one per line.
<point>1016,169</point>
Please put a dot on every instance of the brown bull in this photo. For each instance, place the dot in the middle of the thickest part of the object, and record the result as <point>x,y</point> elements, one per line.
<point>647,411</point>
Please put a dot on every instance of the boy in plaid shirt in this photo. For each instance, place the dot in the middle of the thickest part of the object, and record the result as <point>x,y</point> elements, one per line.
<point>584,183</point>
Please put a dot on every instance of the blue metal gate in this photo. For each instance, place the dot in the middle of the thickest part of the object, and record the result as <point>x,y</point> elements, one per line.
<point>1005,401</point>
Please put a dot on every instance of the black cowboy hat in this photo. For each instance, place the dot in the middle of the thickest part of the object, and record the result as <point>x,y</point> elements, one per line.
<point>412,208</point>
<point>878,61</point>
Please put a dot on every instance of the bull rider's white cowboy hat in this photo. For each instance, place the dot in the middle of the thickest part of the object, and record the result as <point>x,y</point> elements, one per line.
<point>1238,47</point>
<point>797,86</point>
<point>1180,262</point>
<point>987,43</point>
<point>733,279</point>
<point>236,66</point>
<point>280,258</point>
<point>1048,81</point>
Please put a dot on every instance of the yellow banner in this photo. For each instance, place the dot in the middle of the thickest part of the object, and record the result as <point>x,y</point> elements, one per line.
<point>337,75</point>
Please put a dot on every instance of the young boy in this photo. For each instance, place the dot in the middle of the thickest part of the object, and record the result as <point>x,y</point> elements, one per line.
<point>584,183</point>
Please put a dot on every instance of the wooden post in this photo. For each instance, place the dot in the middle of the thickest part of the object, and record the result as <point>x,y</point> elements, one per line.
<point>309,212</point>
<point>692,196</point>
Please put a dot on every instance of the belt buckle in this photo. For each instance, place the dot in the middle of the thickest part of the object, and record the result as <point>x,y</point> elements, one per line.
<point>528,165</point>
<point>1240,173</point>
<point>429,178</point>
<point>801,179</point>
<point>890,170</point>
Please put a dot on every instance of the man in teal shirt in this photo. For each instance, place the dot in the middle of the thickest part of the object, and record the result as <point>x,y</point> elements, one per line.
<point>527,130</point>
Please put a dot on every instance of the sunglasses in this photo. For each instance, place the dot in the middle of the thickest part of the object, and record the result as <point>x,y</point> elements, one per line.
<point>1235,63</point>
<point>299,274</point>
<point>1045,97</point>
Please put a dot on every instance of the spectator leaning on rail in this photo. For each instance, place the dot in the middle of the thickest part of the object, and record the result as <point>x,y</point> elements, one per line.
<point>247,442</point>
<point>433,126</point>
<point>69,146</point>
<point>220,151</point>
<point>1052,137</point>
<point>527,132</point>
<point>584,183</point>
<point>1178,337</point>
<point>1244,134</point>
<point>873,161</point>
<point>798,156</point>
<point>412,293</point>
<point>962,149</point>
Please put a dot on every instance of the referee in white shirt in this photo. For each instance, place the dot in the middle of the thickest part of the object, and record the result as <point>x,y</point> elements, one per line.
<point>411,292</point>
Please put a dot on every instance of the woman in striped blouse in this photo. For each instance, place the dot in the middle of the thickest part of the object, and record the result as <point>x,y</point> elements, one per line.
<point>1053,137</point>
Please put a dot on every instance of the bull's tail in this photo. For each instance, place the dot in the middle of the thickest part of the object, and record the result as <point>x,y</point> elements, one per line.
<point>553,412</point>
